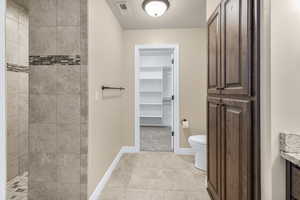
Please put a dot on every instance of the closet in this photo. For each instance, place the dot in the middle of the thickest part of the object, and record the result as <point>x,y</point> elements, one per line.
<point>156,87</point>
<point>233,102</point>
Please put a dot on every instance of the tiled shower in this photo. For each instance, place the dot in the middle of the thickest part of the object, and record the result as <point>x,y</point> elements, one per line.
<point>49,87</point>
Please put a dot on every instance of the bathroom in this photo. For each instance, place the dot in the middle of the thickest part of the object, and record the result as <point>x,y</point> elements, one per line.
<point>91,114</point>
<point>47,92</point>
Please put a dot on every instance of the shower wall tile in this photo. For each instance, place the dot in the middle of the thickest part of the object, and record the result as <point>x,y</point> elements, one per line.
<point>44,167</point>
<point>12,144</point>
<point>84,139</point>
<point>68,138</point>
<point>12,11</point>
<point>68,79</point>
<point>68,170</point>
<point>58,41</point>
<point>83,169</point>
<point>11,27</point>
<point>10,52</point>
<point>68,109</point>
<point>68,191</point>
<point>12,166</point>
<point>23,81</point>
<point>84,145</point>
<point>83,32</point>
<point>23,163</point>
<point>84,108</point>
<point>84,130</point>
<point>83,192</point>
<point>23,109</point>
<point>23,55</point>
<point>43,79</point>
<point>42,12</point>
<point>42,138</point>
<point>12,113</point>
<point>84,79</point>
<point>23,35</point>
<point>22,145</point>
<point>12,79</point>
<point>42,190</point>
<point>68,12</point>
<point>68,40</point>
<point>24,15</point>
<point>42,40</point>
<point>42,108</point>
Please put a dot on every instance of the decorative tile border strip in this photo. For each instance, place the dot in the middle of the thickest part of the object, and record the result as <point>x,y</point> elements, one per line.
<point>55,59</point>
<point>17,68</point>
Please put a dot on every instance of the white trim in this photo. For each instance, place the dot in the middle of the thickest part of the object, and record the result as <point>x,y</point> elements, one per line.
<point>129,150</point>
<point>2,103</point>
<point>176,93</point>
<point>185,151</point>
<point>97,192</point>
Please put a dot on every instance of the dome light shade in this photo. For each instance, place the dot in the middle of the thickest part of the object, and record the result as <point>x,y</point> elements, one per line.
<point>156,8</point>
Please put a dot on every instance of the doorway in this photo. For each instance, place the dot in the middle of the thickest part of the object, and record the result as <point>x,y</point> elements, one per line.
<point>157,112</point>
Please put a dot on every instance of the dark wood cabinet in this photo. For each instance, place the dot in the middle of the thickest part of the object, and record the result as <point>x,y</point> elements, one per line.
<point>229,48</point>
<point>236,47</point>
<point>214,52</point>
<point>214,147</point>
<point>229,148</point>
<point>293,182</point>
<point>233,119</point>
<point>236,149</point>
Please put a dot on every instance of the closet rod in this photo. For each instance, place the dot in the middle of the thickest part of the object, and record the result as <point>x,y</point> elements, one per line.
<point>112,88</point>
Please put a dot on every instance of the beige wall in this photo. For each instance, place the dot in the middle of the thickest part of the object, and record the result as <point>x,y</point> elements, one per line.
<point>211,5</point>
<point>285,82</point>
<point>105,49</point>
<point>192,49</point>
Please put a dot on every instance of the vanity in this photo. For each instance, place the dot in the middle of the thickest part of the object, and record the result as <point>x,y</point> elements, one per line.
<point>290,151</point>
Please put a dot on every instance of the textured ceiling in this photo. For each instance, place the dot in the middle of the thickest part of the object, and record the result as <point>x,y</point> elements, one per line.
<point>181,14</point>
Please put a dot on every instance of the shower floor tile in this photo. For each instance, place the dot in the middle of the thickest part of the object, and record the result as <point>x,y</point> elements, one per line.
<point>17,188</point>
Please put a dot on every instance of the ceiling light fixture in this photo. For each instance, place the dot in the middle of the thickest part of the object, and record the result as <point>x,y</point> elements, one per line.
<point>156,8</point>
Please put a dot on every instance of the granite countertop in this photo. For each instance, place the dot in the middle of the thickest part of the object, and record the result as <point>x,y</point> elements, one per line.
<point>290,147</point>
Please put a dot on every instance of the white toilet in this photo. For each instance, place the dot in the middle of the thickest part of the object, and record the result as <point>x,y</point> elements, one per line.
<point>198,144</point>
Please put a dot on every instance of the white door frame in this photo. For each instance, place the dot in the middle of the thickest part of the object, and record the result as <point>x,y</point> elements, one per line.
<point>2,102</point>
<point>176,93</point>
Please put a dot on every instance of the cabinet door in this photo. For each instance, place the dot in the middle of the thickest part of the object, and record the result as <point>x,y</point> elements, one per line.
<point>236,47</point>
<point>236,149</point>
<point>295,182</point>
<point>214,52</point>
<point>214,148</point>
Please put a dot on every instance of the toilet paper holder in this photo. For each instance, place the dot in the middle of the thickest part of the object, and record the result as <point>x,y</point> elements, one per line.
<point>185,123</point>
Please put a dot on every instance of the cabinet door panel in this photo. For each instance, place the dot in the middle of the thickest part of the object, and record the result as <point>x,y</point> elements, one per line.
<point>236,149</point>
<point>214,148</point>
<point>295,178</point>
<point>214,53</point>
<point>236,47</point>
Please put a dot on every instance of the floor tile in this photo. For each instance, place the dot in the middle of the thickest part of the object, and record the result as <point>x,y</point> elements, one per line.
<point>156,176</point>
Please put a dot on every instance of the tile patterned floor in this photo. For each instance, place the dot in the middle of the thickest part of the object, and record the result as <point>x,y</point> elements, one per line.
<point>17,188</point>
<point>156,176</point>
<point>156,139</point>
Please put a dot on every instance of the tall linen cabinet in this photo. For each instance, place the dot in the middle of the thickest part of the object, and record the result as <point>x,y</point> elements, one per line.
<point>233,101</point>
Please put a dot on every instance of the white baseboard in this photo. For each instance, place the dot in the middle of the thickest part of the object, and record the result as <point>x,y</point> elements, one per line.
<point>97,192</point>
<point>127,149</point>
<point>185,151</point>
